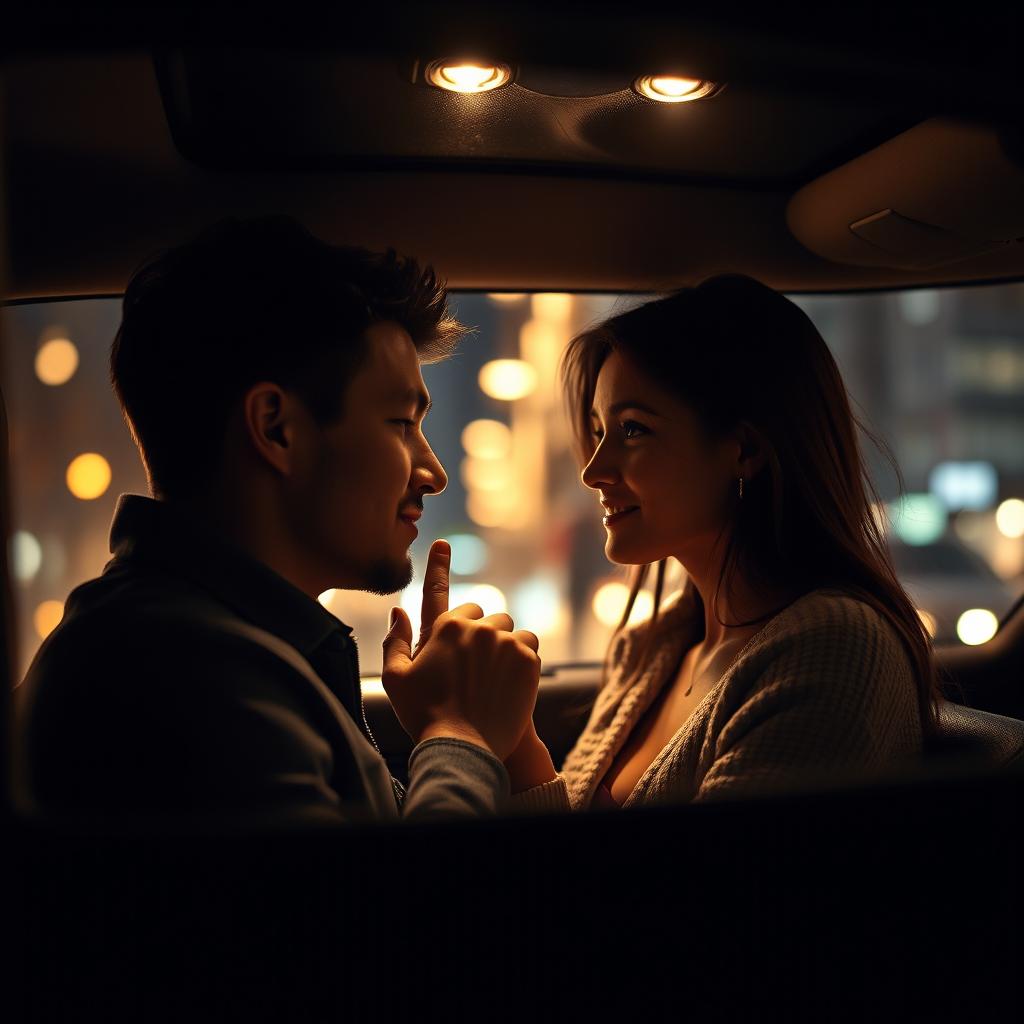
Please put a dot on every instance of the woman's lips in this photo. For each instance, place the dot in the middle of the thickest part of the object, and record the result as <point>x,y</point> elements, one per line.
<point>615,517</point>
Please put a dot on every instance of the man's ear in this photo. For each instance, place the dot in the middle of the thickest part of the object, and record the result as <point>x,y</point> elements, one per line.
<point>267,419</point>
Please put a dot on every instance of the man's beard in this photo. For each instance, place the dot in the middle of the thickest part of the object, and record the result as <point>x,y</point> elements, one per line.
<point>387,577</point>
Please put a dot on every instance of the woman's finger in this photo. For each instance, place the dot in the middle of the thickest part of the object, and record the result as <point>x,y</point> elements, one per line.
<point>530,639</point>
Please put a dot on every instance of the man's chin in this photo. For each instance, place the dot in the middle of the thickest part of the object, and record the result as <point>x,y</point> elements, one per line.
<point>388,576</point>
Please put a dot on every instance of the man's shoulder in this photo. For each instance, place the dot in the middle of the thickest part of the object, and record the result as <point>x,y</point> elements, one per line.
<point>124,625</point>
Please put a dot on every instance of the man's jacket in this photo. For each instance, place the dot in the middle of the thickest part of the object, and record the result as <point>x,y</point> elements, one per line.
<point>191,682</point>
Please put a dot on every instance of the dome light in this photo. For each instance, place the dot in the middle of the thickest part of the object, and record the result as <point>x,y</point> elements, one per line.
<point>670,89</point>
<point>467,76</point>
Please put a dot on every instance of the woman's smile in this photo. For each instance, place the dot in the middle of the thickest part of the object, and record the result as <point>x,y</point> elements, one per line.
<point>616,513</point>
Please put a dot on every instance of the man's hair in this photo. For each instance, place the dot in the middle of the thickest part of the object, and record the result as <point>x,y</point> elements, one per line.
<point>248,301</point>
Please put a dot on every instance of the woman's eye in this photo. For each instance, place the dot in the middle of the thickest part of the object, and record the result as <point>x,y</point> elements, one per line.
<point>631,429</point>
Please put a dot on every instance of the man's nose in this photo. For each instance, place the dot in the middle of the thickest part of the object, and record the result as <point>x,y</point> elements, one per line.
<point>429,476</point>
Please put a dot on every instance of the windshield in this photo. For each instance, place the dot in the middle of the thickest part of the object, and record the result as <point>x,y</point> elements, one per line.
<point>936,373</point>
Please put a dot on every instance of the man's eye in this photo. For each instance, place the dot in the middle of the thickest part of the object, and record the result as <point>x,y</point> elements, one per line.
<point>631,429</point>
<point>597,433</point>
<point>405,423</point>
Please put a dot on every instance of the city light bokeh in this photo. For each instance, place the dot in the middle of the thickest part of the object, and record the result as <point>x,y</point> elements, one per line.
<point>56,361</point>
<point>977,626</point>
<point>88,476</point>
<point>927,371</point>
<point>46,617</point>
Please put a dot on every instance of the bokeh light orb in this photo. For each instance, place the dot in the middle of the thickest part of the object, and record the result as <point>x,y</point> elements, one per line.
<point>1010,518</point>
<point>487,439</point>
<point>538,605</point>
<point>469,554</point>
<point>977,626</point>
<point>490,598</point>
<point>56,362</point>
<point>26,556</point>
<point>507,379</point>
<point>918,519</point>
<point>929,621</point>
<point>486,474</point>
<point>88,476</point>
<point>610,602</point>
<point>551,306</point>
<point>46,616</point>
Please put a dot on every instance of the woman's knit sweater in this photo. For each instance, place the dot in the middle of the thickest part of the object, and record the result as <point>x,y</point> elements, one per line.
<point>825,691</point>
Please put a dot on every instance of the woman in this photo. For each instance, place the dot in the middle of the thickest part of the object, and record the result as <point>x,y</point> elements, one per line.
<point>715,429</point>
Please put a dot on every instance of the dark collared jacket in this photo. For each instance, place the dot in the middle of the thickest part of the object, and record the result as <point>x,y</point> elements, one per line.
<point>190,680</point>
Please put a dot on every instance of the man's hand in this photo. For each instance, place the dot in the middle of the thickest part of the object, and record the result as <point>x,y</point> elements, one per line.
<point>471,676</point>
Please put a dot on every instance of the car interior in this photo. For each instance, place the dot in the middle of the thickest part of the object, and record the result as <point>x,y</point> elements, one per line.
<point>597,151</point>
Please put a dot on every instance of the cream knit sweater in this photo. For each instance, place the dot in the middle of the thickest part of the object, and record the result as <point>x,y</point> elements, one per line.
<point>824,691</point>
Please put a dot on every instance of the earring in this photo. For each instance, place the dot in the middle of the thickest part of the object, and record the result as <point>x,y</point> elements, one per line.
<point>741,488</point>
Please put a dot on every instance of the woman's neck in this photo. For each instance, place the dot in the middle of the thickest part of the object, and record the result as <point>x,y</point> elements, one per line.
<point>742,606</point>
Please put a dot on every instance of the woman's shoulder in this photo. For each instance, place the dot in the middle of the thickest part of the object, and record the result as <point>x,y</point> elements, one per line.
<point>828,608</point>
<point>834,624</point>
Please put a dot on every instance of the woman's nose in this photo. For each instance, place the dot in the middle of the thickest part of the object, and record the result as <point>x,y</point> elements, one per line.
<point>600,470</point>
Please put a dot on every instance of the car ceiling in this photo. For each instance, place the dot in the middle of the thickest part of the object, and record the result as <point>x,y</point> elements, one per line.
<point>565,179</point>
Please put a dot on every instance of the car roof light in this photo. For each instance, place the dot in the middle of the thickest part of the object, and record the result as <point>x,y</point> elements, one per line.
<point>672,89</point>
<point>467,76</point>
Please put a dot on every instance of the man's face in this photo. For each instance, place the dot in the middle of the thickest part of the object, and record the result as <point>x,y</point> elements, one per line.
<point>359,494</point>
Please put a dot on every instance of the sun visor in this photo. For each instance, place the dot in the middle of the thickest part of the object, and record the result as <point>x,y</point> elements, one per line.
<point>942,192</point>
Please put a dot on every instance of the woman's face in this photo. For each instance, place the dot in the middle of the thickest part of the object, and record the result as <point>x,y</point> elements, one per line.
<point>665,487</point>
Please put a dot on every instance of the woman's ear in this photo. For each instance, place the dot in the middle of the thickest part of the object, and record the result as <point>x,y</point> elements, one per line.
<point>753,453</point>
<point>267,425</point>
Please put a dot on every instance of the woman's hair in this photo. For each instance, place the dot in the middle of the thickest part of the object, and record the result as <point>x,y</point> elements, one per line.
<point>738,352</point>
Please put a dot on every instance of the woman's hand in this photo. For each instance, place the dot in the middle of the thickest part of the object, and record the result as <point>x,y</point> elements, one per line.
<point>530,763</point>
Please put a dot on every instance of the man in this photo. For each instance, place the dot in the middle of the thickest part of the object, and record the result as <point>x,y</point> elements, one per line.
<point>272,384</point>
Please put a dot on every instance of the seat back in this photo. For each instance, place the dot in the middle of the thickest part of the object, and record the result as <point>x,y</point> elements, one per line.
<point>980,735</point>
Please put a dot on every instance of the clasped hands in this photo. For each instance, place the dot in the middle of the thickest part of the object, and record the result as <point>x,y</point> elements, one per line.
<point>471,676</point>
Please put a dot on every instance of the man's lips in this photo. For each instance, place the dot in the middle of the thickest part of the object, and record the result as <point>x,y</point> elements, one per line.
<point>410,515</point>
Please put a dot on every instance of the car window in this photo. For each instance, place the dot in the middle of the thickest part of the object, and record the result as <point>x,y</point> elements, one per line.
<point>936,373</point>
<point>939,558</point>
